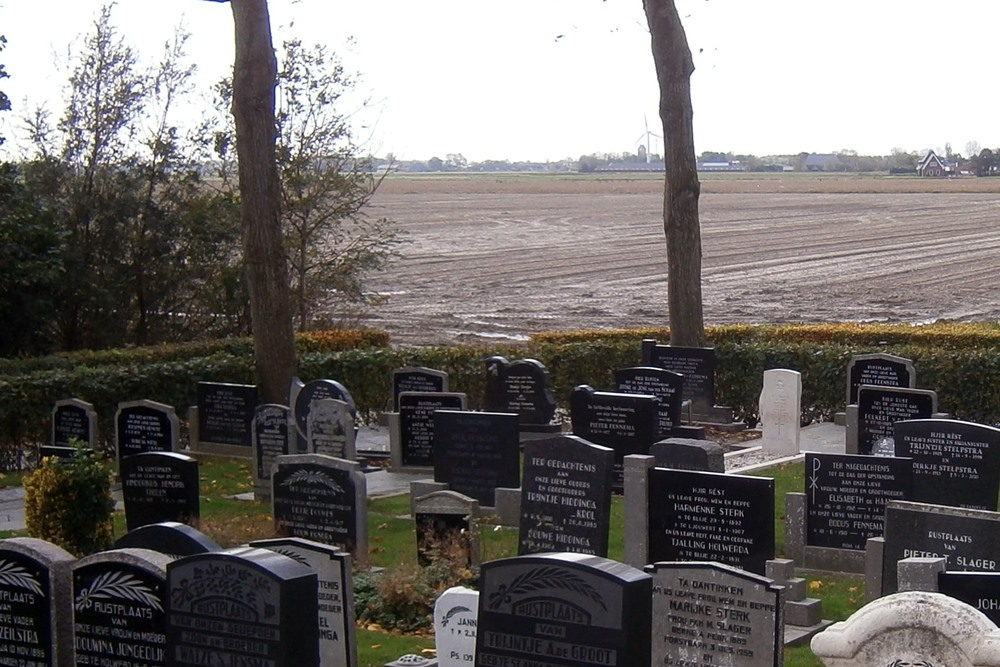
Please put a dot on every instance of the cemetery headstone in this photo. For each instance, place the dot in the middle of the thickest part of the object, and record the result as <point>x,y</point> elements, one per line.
<point>969,540</point>
<point>651,381</point>
<point>712,614</point>
<point>145,426</point>
<point>689,454</point>
<point>915,628</point>
<point>335,595</point>
<point>416,425</point>
<point>881,407</point>
<point>446,529</point>
<point>626,423</point>
<point>315,391</point>
<point>696,364</point>
<point>323,499</point>
<point>477,452</point>
<point>955,463</point>
<point>225,418</point>
<point>330,429</point>
<point>260,606</point>
<point>35,611</point>
<point>74,419</point>
<point>846,497</point>
<point>159,486</point>
<point>566,496</point>
<point>878,370</point>
<point>562,609</point>
<point>781,411</point>
<point>456,613</point>
<point>272,437</point>
<point>417,378</point>
<point>703,516</point>
<point>522,387</point>
<point>168,537</point>
<point>118,609</point>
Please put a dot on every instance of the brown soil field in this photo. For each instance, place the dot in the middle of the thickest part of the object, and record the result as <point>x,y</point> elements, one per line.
<point>502,256</point>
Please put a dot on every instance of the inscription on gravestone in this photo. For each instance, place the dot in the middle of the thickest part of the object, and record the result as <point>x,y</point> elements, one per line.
<point>426,380</point>
<point>159,486</point>
<point>665,385</point>
<point>272,437</point>
<point>73,418</point>
<point>881,407</point>
<point>555,610</point>
<point>980,590</point>
<point>626,423</point>
<point>145,426</point>
<point>522,387</point>
<point>879,370</point>
<point>330,429</point>
<point>566,496</point>
<point>455,620</point>
<point>846,497</point>
<point>314,391</point>
<point>711,614</point>
<point>954,462</point>
<point>969,540</point>
<point>416,424</point>
<point>225,413</point>
<point>703,516</point>
<point>696,364</point>
<point>475,453</point>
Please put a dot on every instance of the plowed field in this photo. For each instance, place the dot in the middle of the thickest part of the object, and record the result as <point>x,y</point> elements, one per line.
<point>505,256</point>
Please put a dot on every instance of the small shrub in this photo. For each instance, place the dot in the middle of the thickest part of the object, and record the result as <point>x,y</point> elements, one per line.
<point>68,502</point>
<point>403,598</point>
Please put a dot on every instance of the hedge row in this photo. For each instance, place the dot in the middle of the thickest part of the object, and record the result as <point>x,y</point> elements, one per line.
<point>965,374</point>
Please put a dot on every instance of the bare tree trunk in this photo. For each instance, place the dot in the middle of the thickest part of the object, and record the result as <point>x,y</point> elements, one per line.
<point>254,79</point>
<point>674,66</point>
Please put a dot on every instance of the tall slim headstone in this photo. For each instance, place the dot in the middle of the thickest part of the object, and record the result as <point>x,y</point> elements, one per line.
<point>476,453</point>
<point>273,436</point>
<point>145,426</point>
<point>781,411</point>
<point>74,419</point>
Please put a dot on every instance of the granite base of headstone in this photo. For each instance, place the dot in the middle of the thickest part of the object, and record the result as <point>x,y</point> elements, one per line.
<point>335,596</point>
<point>911,628</point>
<point>261,607</point>
<point>780,409</point>
<point>565,610</point>
<point>712,614</point>
<point>456,614</point>
<point>119,598</point>
<point>35,603</point>
<point>689,454</point>
<point>447,529</point>
<point>803,614</point>
<point>168,537</point>
<point>223,419</point>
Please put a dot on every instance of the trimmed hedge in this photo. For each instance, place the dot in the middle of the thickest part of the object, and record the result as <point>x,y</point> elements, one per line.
<point>959,361</point>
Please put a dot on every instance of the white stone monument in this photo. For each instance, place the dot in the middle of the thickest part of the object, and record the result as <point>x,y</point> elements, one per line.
<point>455,615</point>
<point>781,411</point>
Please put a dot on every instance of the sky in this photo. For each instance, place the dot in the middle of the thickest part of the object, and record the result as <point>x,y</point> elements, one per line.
<point>554,79</point>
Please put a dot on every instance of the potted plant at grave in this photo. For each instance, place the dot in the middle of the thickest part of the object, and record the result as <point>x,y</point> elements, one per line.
<point>68,501</point>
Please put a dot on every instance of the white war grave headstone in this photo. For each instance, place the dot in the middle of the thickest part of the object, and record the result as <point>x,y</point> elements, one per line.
<point>781,411</point>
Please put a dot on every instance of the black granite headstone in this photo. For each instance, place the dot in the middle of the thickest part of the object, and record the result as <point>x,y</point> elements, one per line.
<point>969,540</point>
<point>314,391</point>
<point>881,407</point>
<point>704,516</point>
<point>522,387</point>
<point>563,610</point>
<point>978,589</point>
<point>74,419</point>
<point>323,499</point>
<point>696,364</point>
<point>416,424</point>
<point>651,381</point>
<point>566,496</point>
<point>626,423</point>
<point>846,497</point>
<point>955,463</point>
<point>425,380</point>
<point>878,370</point>
<point>475,453</point>
<point>168,537</point>
<point>272,437</point>
<point>242,606</point>
<point>159,486</point>
<point>225,413</point>
<point>118,609</point>
<point>145,426</point>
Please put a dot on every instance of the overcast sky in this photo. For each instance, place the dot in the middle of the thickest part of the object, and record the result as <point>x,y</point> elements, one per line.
<point>550,79</point>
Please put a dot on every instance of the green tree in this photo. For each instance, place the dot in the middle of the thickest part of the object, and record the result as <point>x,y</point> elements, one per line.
<point>4,100</point>
<point>674,66</point>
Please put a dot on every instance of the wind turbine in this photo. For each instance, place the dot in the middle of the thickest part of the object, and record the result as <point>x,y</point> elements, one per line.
<point>645,136</point>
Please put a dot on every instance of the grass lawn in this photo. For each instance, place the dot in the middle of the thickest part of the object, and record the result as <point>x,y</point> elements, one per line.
<point>392,545</point>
